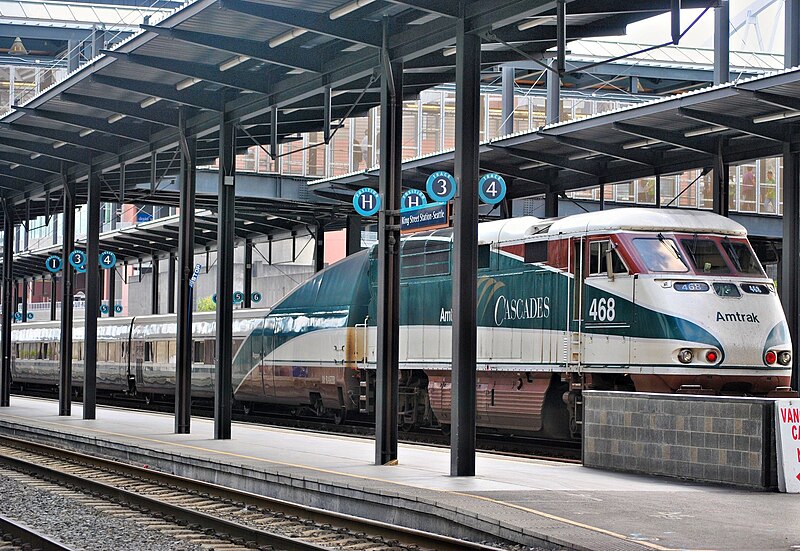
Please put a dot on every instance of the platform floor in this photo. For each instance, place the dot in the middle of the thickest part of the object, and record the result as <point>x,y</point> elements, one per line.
<point>524,500</point>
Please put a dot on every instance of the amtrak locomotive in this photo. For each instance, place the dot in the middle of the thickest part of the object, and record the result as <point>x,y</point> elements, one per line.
<point>654,300</point>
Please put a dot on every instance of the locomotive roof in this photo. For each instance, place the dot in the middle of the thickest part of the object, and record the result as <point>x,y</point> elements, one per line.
<point>644,219</point>
<point>625,219</point>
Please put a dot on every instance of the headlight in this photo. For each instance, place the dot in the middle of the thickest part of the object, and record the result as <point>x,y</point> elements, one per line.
<point>685,356</point>
<point>785,358</point>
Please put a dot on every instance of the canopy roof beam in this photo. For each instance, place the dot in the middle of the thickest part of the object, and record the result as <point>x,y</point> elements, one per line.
<point>590,168</point>
<point>85,122</point>
<point>243,80</point>
<point>736,123</point>
<point>240,46</point>
<point>668,137</point>
<point>95,143</point>
<point>192,98</point>
<point>358,31</point>
<point>610,150</point>
<point>445,8</point>
<point>165,116</point>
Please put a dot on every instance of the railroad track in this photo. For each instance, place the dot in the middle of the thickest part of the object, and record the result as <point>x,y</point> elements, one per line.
<point>207,514</point>
<point>16,535</point>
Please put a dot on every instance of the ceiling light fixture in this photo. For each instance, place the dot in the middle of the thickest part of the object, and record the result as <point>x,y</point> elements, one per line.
<point>449,51</point>
<point>59,144</point>
<point>535,22</point>
<point>529,166</point>
<point>286,37</point>
<point>233,62</point>
<point>85,132</point>
<point>152,100</point>
<point>703,131</point>
<point>776,116</point>
<point>12,166</point>
<point>35,155</point>
<point>640,143</point>
<point>115,118</point>
<point>186,83</point>
<point>348,8</point>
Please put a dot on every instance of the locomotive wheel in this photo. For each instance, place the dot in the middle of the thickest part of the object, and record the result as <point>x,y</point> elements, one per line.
<point>339,416</point>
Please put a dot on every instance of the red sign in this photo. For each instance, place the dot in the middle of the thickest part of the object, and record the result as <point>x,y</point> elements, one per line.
<point>787,438</point>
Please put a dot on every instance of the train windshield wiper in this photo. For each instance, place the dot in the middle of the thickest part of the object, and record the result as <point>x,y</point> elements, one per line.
<point>733,253</point>
<point>670,245</point>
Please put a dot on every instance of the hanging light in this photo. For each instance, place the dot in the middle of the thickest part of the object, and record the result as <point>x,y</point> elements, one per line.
<point>17,47</point>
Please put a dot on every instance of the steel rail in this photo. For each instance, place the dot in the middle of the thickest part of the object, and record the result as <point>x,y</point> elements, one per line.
<point>29,536</point>
<point>389,532</point>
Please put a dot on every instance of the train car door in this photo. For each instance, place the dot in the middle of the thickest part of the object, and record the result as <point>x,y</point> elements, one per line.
<point>267,345</point>
<point>607,309</point>
<point>575,319</point>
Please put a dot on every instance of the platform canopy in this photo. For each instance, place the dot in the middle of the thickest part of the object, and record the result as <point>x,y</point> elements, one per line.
<point>730,123</point>
<point>276,68</point>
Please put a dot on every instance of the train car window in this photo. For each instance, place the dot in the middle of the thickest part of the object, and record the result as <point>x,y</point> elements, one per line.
<point>148,352</point>
<point>536,252</point>
<point>660,254</point>
<point>172,356</point>
<point>45,351</point>
<point>162,352</point>
<point>484,256</point>
<point>77,351</point>
<point>211,351</point>
<point>198,352</point>
<point>102,352</point>
<point>597,259</point>
<point>742,257</point>
<point>113,352</point>
<point>123,350</point>
<point>705,255</point>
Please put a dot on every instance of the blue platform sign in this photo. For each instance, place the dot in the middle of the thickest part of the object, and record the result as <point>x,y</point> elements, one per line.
<point>17,316</point>
<point>104,309</point>
<point>367,201</point>
<point>118,308</point>
<point>413,198</point>
<point>108,260</point>
<point>256,297</point>
<point>425,217</point>
<point>441,186</point>
<point>238,297</point>
<point>492,188</point>
<point>214,298</point>
<point>81,269</point>
<point>77,259</point>
<point>142,216</point>
<point>30,315</point>
<point>195,275</point>
<point>53,264</point>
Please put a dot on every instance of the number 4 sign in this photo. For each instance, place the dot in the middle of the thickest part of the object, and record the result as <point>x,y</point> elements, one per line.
<point>492,188</point>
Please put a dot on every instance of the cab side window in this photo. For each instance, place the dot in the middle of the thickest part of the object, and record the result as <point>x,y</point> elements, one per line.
<point>597,259</point>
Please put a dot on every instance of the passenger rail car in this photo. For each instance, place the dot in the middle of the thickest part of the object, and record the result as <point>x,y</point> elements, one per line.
<point>654,300</point>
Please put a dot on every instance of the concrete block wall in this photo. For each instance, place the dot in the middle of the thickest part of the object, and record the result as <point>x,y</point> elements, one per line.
<point>717,439</point>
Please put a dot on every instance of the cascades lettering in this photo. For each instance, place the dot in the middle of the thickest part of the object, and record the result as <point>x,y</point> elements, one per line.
<point>521,308</point>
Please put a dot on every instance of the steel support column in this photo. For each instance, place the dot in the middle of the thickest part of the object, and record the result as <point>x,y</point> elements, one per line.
<point>319,249</point>
<point>8,311</point>
<point>248,273</point>
<point>353,231</point>
<point>388,309</point>
<point>223,389</point>
<point>183,362</point>
<point>720,192</point>
<point>791,43</point>
<point>92,295</point>
<point>24,297</point>
<point>722,42</point>
<point>154,286</point>
<point>53,292</point>
<point>171,283</point>
<point>789,284</point>
<point>658,191</point>
<point>112,291</point>
<point>65,347</point>
<point>508,101</point>
<point>465,252</point>
<point>550,204</point>
<point>553,100</point>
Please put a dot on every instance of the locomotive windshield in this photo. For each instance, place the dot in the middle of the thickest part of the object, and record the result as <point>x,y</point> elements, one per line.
<point>742,257</point>
<point>660,254</point>
<point>705,255</point>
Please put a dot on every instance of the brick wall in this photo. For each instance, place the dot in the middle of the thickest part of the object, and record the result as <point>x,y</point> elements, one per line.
<point>727,440</point>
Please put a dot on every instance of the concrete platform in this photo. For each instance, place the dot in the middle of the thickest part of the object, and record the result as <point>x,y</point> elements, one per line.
<point>522,500</point>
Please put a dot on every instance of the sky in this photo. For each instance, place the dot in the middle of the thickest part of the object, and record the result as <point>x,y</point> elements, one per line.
<point>761,31</point>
